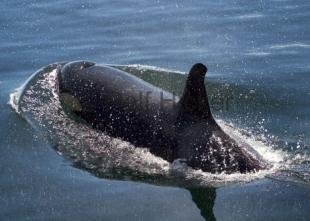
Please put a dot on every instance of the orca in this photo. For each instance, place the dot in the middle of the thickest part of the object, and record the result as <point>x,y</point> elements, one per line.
<point>172,127</point>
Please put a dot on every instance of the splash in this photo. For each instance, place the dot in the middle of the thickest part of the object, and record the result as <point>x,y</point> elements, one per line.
<point>266,150</point>
<point>110,157</point>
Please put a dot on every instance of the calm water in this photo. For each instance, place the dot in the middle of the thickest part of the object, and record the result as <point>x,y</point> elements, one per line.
<point>260,49</point>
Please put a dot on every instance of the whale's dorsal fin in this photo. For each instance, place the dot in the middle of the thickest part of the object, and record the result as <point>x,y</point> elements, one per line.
<point>194,104</point>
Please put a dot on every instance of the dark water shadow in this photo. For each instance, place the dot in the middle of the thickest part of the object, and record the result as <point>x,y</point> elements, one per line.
<point>204,199</point>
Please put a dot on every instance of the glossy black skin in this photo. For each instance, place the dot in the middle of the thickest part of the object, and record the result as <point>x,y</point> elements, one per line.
<point>127,107</point>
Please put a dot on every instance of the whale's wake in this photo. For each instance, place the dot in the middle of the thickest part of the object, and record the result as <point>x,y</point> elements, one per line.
<point>38,102</point>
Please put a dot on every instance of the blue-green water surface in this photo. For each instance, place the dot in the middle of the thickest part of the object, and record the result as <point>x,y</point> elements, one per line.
<point>260,49</point>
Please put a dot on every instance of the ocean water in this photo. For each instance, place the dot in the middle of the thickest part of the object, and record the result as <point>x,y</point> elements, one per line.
<point>259,83</point>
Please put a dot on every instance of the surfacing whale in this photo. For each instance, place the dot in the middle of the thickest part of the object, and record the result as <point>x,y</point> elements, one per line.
<point>127,107</point>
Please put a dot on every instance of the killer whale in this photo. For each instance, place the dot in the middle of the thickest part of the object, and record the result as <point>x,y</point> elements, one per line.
<point>127,107</point>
